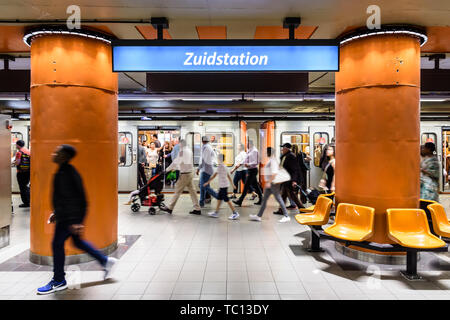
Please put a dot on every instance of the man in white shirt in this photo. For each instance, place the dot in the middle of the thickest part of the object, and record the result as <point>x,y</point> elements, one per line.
<point>251,162</point>
<point>206,170</point>
<point>184,163</point>
<point>241,171</point>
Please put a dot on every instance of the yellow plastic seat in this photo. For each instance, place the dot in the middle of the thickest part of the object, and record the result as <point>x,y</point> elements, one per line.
<point>310,209</point>
<point>319,216</point>
<point>352,222</point>
<point>409,228</point>
<point>441,225</point>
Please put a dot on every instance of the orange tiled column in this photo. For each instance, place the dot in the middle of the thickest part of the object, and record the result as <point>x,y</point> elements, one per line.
<point>377,125</point>
<point>74,101</point>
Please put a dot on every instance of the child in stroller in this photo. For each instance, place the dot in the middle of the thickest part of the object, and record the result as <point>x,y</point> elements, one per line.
<point>143,197</point>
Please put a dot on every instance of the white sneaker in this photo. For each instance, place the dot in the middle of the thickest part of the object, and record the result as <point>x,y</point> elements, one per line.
<point>234,216</point>
<point>109,266</point>
<point>254,217</point>
<point>285,219</point>
<point>213,214</point>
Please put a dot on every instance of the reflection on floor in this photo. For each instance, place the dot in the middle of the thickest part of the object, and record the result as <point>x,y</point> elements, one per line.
<point>181,256</point>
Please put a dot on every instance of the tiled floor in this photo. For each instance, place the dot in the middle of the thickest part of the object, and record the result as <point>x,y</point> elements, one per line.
<point>181,256</point>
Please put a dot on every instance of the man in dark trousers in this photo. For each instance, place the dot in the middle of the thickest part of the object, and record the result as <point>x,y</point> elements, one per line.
<point>251,163</point>
<point>290,163</point>
<point>22,163</point>
<point>69,205</point>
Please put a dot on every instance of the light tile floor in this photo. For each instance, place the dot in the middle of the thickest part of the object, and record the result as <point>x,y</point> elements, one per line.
<point>181,256</point>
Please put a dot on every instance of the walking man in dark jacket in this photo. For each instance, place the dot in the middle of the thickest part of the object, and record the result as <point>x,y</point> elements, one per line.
<point>290,163</point>
<point>69,205</point>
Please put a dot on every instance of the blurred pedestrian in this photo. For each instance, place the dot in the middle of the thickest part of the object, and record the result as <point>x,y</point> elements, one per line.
<point>205,169</point>
<point>69,205</point>
<point>270,171</point>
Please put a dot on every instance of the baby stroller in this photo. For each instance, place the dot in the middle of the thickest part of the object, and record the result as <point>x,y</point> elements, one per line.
<point>144,197</point>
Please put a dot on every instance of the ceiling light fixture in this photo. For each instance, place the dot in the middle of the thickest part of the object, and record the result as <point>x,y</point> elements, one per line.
<point>39,31</point>
<point>396,29</point>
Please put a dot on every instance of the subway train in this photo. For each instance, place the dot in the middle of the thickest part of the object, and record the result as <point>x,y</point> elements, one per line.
<point>225,136</point>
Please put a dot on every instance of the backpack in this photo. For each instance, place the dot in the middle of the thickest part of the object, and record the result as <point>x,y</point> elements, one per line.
<point>24,162</point>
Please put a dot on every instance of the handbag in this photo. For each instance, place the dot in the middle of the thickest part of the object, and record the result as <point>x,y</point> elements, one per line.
<point>282,176</point>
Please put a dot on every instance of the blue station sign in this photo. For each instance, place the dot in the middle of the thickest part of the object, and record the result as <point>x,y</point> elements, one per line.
<point>225,55</point>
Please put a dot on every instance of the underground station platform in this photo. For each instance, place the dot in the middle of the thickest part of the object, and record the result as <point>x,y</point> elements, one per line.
<point>124,126</point>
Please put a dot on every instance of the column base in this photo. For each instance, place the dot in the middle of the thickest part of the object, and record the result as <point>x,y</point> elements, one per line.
<point>372,257</point>
<point>73,259</point>
<point>4,236</point>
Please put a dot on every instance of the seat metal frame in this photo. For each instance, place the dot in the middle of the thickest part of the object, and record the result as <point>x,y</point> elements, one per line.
<point>317,233</point>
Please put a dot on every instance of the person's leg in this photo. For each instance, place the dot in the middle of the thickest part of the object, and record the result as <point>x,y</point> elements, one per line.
<point>203,178</point>
<point>59,237</point>
<point>267,193</point>
<point>255,184</point>
<point>276,192</point>
<point>27,189</point>
<point>219,202</point>
<point>88,248</point>
<point>244,192</point>
<point>294,197</point>
<point>236,179</point>
<point>211,191</point>
<point>179,187</point>
<point>21,181</point>
<point>192,192</point>
<point>230,204</point>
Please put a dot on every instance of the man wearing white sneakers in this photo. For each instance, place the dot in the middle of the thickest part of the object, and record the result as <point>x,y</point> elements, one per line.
<point>224,183</point>
<point>69,205</point>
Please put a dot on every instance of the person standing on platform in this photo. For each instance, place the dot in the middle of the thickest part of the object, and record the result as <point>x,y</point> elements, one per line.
<point>22,163</point>
<point>251,163</point>
<point>429,172</point>
<point>184,163</point>
<point>173,154</point>
<point>224,183</point>
<point>69,205</point>
<point>289,162</point>
<point>142,162</point>
<point>205,169</point>
<point>270,171</point>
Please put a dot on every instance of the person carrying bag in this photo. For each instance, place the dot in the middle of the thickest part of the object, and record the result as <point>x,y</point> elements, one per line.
<point>274,177</point>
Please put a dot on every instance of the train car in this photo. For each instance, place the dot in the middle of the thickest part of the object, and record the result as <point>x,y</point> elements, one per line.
<point>310,136</point>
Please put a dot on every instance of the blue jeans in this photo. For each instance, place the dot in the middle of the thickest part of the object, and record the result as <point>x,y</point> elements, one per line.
<point>61,234</point>
<point>204,177</point>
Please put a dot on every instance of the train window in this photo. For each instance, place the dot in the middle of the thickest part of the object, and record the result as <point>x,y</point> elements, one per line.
<point>428,137</point>
<point>223,142</point>
<point>320,140</point>
<point>125,149</point>
<point>193,141</point>
<point>300,139</point>
<point>15,136</point>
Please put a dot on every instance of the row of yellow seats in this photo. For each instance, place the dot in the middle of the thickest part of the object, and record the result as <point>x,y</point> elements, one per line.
<point>311,208</point>
<point>407,227</point>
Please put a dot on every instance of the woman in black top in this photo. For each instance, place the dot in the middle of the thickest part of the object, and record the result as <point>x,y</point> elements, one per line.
<point>329,169</point>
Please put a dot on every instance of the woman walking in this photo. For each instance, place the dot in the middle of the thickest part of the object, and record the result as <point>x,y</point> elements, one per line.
<point>270,171</point>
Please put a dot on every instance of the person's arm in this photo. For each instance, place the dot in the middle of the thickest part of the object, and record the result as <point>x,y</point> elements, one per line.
<point>210,179</point>
<point>231,181</point>
<point>18,158</point>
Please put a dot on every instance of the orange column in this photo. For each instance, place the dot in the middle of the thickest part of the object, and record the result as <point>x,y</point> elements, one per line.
<point>267,139</point>
<point>377,125</point>
<point>74,101</point>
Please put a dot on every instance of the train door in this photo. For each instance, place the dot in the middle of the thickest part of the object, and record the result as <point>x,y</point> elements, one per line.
<point>266,139</point>
<point>127,158</point>
<point>434,134</point>
<point>301,140</point>
<point>445,159</point>
<point>164,134</point>
<point>319,137</point>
